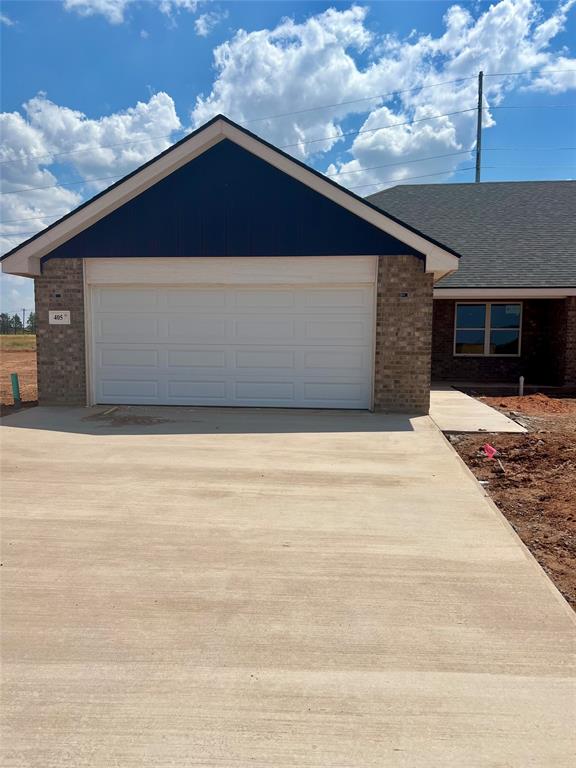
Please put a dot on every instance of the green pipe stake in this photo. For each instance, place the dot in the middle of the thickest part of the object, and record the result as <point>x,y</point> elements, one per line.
<point>15,388</point>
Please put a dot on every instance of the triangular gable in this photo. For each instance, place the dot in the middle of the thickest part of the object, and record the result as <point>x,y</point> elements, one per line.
<point>224,192</point>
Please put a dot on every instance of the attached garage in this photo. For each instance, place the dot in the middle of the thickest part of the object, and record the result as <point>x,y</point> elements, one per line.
<point>226,273</point>
<point>298,333</point>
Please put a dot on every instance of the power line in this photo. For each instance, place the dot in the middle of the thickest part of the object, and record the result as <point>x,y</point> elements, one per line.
<point>531,106</point>
<point>380,128</point>
<point>248,122</point>
<point>401,162</point>
<point>527,149</point>
<point>62,184</point>
<point>527,72</point>
<point>284,146</point>
<point>356,101</point>
<point>303,111</point>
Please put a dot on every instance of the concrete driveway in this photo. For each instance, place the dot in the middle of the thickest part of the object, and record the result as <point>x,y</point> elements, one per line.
<point>188,587</point>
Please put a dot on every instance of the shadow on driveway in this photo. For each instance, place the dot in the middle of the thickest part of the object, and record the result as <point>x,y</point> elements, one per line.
<point>143,419</point>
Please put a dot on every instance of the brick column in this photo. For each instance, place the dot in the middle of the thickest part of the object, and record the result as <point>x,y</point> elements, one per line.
<point>61,348</point>
<point>570,342</point>
<point>403,335</point>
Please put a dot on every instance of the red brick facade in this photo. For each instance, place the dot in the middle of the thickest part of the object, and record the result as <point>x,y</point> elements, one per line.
<point>570,341</point>
<point>548,330</point>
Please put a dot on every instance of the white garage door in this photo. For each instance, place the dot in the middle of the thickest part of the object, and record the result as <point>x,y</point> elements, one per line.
<point>246,345</point>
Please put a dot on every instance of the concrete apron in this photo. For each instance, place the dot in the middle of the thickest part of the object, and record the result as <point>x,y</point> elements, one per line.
<point>268,588</point>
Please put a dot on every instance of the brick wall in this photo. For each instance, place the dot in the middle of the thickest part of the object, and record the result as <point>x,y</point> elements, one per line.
<point>61,348</point>
<point>570,342</point>
<point>403,335</point>
<point>542,348</point>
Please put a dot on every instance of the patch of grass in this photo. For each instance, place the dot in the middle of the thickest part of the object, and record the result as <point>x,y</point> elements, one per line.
<point>17,342</point>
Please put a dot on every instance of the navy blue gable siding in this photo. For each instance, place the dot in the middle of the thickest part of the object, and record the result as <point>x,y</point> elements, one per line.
<point>228,202</point>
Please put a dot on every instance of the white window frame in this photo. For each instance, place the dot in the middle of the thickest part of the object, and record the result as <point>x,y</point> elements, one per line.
<point>487,329</point>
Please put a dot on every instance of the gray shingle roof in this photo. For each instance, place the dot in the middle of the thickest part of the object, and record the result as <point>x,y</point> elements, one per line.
<point>519,234</point>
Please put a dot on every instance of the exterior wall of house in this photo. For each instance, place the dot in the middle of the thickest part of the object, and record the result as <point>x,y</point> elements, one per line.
<point>403,336</point>
<point>61,348</point>
<point>544,346</point>
<point>570,341</point>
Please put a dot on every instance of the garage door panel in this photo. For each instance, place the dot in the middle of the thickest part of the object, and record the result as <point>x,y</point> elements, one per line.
<point>265,359</point>
<point>333,330</point>
<point>135,300</point>
<point>196,358</point>
<point>335,359</point>
<point>343,299</point>
<point>263,391</point>
<point>119,326</point>
<point>299,346</point>
<point>190,390</point>
<point>132,357</point>
<point>206,329</point>
<point>193,299</point>
<point>264,300</point>
<point>138,388</point>
<point>334,391</point>
<point>256,330</point>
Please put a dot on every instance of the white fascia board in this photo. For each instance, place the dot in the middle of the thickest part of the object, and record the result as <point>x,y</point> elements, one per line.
<point>503,293</point>
<point>27,260</point>
<point>437,259</point>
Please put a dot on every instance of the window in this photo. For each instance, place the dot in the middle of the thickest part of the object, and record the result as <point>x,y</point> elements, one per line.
<point>491,328</point>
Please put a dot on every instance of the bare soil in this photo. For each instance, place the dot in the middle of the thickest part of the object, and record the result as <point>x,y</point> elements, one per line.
<point>24,364</point>
<point>536,489</point>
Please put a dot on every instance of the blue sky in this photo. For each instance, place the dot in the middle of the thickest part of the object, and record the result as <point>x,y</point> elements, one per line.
<point>93,88</point>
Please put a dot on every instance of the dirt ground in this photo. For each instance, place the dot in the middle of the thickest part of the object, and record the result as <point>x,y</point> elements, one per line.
<point>14,359</point>
<point>536,485</point>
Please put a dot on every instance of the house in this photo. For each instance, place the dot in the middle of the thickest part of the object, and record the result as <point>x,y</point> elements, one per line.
<point>510,309</point>
<point>225,272</point>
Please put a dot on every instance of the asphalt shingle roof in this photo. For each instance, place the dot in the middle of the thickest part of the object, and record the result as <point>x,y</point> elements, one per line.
<point>519,234</point>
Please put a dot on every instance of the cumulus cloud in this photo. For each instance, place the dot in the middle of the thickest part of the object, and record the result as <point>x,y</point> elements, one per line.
<point>334,57</point>
<point>6,20</point>
<point>206,22</point>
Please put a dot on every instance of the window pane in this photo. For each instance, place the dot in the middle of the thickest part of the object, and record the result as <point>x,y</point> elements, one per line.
<point>469,342</point>
<point>504,342</point>
<point>505,316</point>
<point>470,315</point>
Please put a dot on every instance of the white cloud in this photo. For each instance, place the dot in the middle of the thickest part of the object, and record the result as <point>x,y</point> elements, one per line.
<point>114,11</point>
<point>206,22</point>
<point>296,66</point>
<point>110,146</point>
<point>31,143</point>
<point>6,20</point>
<point>169,7</point>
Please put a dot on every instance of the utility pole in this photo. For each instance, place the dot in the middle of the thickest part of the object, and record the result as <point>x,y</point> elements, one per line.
<point>479,128</point>
<point>23,320</point>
